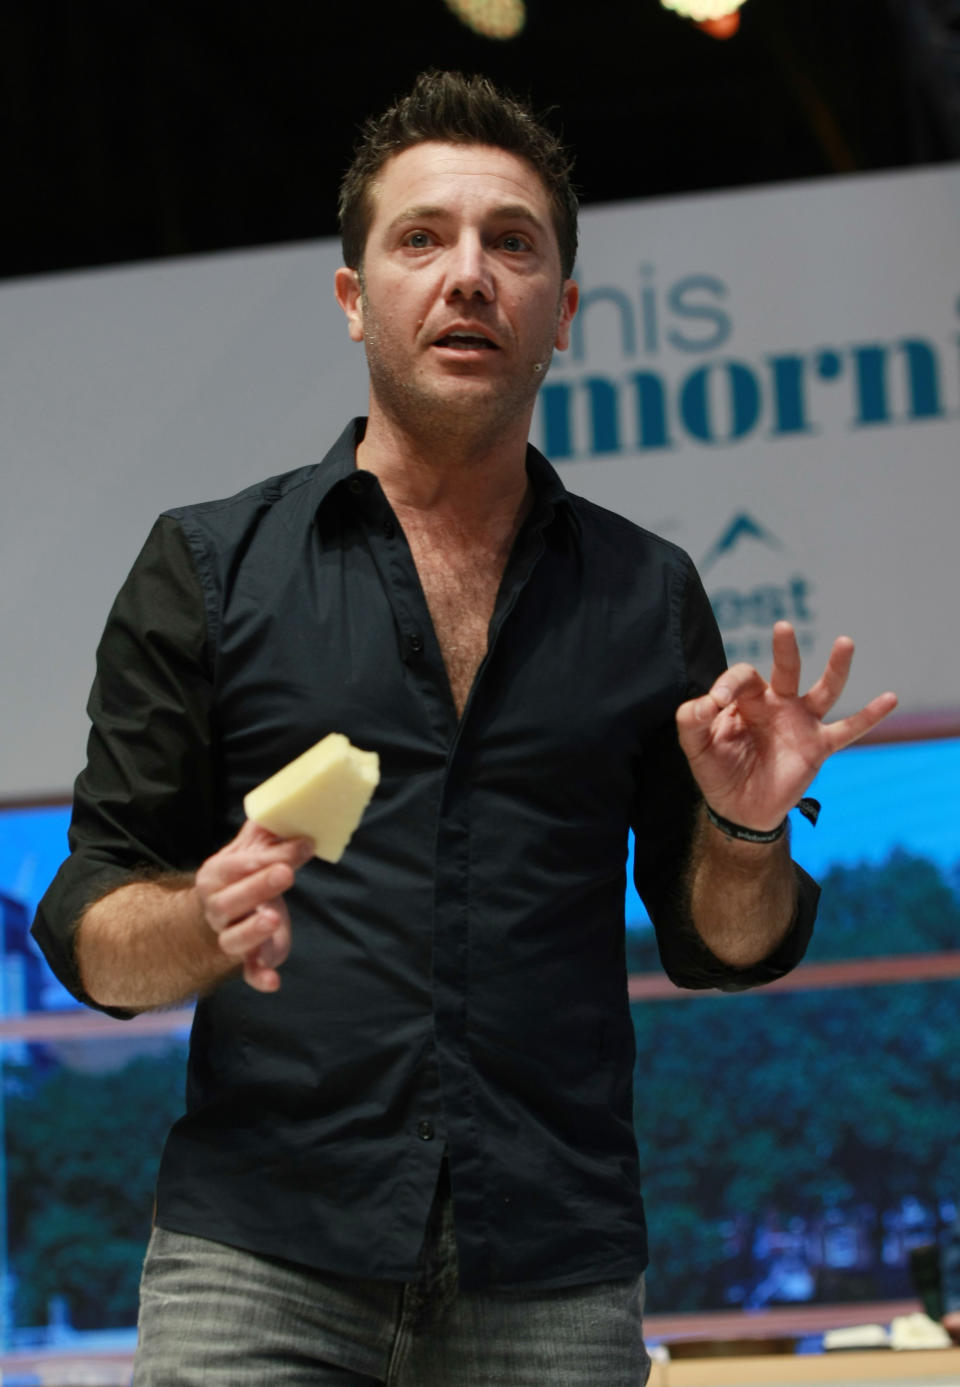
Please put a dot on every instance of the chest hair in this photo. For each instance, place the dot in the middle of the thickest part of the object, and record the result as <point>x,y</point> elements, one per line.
<point>460,575</point>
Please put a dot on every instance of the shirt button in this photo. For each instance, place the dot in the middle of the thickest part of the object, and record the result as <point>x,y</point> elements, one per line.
<point>425,1131</point>
<point>357,483</point>
<point>415,643</point>
<point>389,529</point>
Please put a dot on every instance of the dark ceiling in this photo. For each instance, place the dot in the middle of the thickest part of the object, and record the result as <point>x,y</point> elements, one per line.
<point>138,130</point>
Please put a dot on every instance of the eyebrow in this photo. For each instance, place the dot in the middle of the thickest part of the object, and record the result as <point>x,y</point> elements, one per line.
<point>513,211</point>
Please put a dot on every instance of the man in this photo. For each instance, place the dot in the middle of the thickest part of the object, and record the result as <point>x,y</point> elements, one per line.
<point>408,1155</point>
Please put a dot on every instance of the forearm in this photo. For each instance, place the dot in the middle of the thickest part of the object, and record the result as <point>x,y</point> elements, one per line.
<point>147,944</point>
<point>742,896</point>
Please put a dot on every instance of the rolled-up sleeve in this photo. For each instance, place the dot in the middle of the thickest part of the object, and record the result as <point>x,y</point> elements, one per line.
<point>146,801</point>
<point>667,801</point>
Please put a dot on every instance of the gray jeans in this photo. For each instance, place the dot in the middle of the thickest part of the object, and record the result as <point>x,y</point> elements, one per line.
<point>214,1316</point>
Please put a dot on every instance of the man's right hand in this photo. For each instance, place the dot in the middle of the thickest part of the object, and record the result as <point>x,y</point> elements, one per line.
<point>240,891</point>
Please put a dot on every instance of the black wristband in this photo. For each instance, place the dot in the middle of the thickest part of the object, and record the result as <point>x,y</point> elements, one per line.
<point>742,834</point>
<point>809,808</point>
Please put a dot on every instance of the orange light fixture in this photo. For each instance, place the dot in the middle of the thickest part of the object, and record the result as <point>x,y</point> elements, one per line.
<point>723,28</point>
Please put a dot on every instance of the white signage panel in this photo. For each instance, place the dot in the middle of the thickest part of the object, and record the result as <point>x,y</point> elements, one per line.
<point>770,378</point>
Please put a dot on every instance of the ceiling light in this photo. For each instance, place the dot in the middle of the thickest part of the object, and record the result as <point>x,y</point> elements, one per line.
<point>718,18</point>
<point>494,19</point>
<point>701,10</point>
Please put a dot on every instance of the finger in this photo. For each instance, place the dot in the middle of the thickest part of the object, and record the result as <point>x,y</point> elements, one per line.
<point>696,719</point>
<point>248,834</point>
<point>785,674</point>
<point>832,682</point>
<point>238,860</point>
<point>229,904</point>
<point>738,683</point>
<point>260,978</point>
<point>260,847</point>
<point>260,964</point>
<point>847,730</point>
<point>252,934</point>
<point>273,951</point>
<point>254,837</point>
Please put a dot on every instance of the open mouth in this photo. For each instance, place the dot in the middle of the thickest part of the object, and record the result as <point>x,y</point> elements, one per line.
<point>466,342</point>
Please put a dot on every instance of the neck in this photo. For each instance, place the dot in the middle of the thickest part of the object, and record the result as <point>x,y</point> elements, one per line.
<point>450,470</point>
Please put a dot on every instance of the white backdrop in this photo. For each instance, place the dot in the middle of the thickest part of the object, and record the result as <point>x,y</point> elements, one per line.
<point>771,378</point>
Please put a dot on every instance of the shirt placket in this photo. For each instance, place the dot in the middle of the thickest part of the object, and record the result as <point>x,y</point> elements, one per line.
<point>418,650</point>
<point>472,1175</point>
<point>453,1124</point>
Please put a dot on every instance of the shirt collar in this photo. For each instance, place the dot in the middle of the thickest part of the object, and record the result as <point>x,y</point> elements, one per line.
<point>340,466</point>
<point>551,497</point>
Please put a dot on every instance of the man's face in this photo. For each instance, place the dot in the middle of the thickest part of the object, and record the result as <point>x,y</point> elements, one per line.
<point>461,298</point>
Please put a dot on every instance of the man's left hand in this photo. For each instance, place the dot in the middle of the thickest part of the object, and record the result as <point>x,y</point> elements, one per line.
<point>754,747</point>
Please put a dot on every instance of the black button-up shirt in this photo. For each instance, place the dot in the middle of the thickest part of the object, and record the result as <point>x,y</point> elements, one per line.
<point>457,981</point>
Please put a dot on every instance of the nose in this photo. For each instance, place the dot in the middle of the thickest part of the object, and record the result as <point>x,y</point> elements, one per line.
<point>469,272</point>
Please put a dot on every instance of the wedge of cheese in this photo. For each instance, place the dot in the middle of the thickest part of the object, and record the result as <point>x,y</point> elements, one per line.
<point>320,795</point>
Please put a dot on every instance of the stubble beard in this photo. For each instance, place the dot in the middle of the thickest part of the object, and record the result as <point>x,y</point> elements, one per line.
<point>471,420</point>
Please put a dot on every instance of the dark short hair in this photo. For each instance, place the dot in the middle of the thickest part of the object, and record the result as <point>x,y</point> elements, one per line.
<point>451,108</point>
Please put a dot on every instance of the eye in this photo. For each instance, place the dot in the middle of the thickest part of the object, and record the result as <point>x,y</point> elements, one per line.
<point>417,240</point>
<point>515,242</point>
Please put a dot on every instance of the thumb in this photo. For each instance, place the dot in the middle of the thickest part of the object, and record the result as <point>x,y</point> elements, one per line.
<point>695,724</point>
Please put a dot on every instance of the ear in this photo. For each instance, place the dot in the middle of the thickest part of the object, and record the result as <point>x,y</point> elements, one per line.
<point>568,307</point>
<point>346,286</point>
